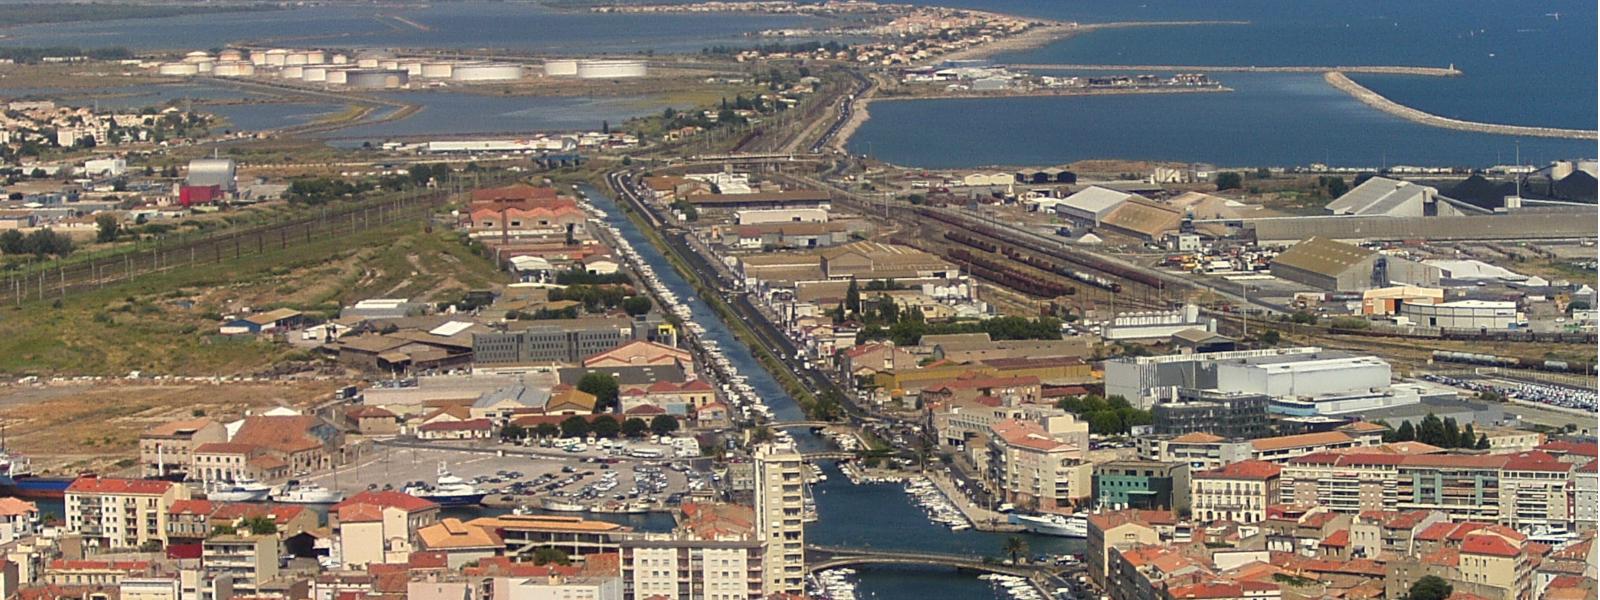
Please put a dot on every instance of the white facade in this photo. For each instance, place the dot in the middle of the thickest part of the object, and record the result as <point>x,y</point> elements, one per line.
<point>1585,497</point>
<point>557,588</point>
<point>1464,314</point>
<point>561,67</point>
<point>780,513</point>
<point>106,166</point>
<point>1157,324</point>
<point>1308,378</point>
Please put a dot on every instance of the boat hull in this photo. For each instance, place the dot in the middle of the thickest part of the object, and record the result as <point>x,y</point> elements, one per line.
<point>39,488</point>
<point>1047,527</point>
<point>455,500</point>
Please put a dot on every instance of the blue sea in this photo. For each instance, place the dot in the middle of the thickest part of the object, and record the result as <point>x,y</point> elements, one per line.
<point>1523,65</point>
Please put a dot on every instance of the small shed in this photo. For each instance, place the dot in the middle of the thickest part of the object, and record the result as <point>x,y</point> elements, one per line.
<point>267,322</point>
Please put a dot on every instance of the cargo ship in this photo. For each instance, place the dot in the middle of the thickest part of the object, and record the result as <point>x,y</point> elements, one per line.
<point>17,480</point>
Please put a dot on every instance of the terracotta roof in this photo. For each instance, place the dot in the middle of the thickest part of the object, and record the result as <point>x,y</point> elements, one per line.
<point>1303,440</point>
<point>140,487</point>
<point>284,434</point>
<point>452,534</point>
<point>387,498</point>
<point>175,428</point>
<point>1361,426</point>
<point>191,507</point>
<point>467,425</point>
<point>545,523</point>
<point>13,507</point>
<point>1197,437</point>
<point>366,412</point>
<point>1108,520</point>
<point>99,565</point>
<point>1247,469</point>
<point>1536,461</point>
<point>1339,539</point>
<point>1481,543</point>
<point>1565,447</point>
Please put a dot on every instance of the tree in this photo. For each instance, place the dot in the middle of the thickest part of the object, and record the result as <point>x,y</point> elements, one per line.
<point>11,242</point>
<point>637,305</point>
<point>108,227</point>
<point>574,427</point>
<point>1483,441</point>
<point>604,388</point>
<point>1406,433</point>
<point>1016,547</point>
<point>513,432</point>
<point>1468,437</point>
<point>1271,337</point>
<point>545,556</point>
<point>1451,438</point>
<point>663,425</point>
<point>852,297</point>
<point>546,430</point>
<point>1429,587</point>
<point>1431,431</point>
<point>635,427</point>
<point>605,426</point>
<point>260,525</point>
<point>1229,181</point>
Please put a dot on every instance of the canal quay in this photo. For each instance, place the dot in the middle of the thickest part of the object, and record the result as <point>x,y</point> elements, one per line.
<point>878,516</point>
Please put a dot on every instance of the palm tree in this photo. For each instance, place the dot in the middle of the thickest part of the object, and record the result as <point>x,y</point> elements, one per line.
<point>1016,546</point>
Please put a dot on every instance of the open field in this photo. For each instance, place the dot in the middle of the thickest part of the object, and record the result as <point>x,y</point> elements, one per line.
<point>76,427</point>
<point>164,322</point>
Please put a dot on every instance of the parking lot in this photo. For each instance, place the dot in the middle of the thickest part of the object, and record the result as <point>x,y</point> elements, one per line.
<point>587,478</point>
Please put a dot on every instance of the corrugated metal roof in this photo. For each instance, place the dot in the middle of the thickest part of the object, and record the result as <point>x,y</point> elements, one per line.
<point>1323,256</point>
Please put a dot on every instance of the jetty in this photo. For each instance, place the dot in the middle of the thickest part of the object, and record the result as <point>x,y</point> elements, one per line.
<point>1370,98</point>
<point>1450,71</point>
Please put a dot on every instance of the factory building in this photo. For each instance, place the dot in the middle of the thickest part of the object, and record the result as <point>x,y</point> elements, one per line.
<point>1299,382</point>
<point>1157,325</point>
<point>1465,314</point>
<point>1384,197</point>
<point>1328,265</point>
<point>1091,205</point>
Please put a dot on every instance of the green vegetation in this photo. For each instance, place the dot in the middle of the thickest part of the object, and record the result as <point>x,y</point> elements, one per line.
<point>1229,180</point>
<point>574,427</point>
<point>663,425</point>
<point>39,243</point>
<point>1429,587</point>
<point>605,426</point>
<point>1444,433</point>
<point>910,327</point>
<point>545,556</point>
<point>165,322</point>
<point>1016,547</point>
<point>635,427</point>
<point>603,386</point>
<point>1106,416</point>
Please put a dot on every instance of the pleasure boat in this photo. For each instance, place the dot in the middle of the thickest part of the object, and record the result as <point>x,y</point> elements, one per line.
<point>1075,526</point>
<point>449,490</point>
<point>240,490</point>
<point>295,492</point>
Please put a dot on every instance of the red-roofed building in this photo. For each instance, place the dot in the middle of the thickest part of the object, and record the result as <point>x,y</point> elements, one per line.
<point>1484,559</point>
<point>1526,489</point>
<point>120,513</point>
<point>470,429</point>
<point>372,420</point>
<point>381,526</point>
<point>1034,468</point>
<point>94,572</point>
<point>1238,492</point>
<point>1111,531</point>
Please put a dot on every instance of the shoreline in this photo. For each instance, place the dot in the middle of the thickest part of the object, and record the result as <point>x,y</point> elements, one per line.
<point>1047,93</point>
<point>1366,96</point>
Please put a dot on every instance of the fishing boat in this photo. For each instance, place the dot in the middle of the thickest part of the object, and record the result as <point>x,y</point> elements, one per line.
<point>559,505</point>
<point>448,490</point>
<point>1075,526</point>
<point>295,492</point>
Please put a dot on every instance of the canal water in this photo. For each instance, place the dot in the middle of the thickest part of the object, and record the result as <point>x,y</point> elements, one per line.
<point>868,515</point>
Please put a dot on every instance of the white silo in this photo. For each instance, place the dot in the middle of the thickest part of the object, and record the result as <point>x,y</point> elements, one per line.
<point>338,76</point>
<point>438,70</point>
<point>292,72</point>
<point>610,69</point>
<point>178,68</point>
<point>316,57</point>
<point>295,58</point>
<point>276,57</point>
<point>314,73</point>
<point>483,72</point>
<point>341,59</point>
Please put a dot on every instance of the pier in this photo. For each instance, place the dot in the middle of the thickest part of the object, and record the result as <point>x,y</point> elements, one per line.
<point>1370,98</point>
<point>1450,71</point>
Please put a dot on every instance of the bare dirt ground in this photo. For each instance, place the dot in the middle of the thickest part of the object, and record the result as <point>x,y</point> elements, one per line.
<point>94,427</point>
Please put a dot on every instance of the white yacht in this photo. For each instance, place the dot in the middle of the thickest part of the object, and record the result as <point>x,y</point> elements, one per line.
<point>295,492</point>
<point>241,490</point>
<point>1075,526</point>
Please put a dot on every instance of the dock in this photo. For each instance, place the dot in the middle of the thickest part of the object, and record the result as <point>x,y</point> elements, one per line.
<point>982,519</point>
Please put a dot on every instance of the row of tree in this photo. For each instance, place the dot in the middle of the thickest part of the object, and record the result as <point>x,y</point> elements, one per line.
<point>39,242</point>
<point>1443,433</point>
<point>1106,416</point>
<point>603,426</point>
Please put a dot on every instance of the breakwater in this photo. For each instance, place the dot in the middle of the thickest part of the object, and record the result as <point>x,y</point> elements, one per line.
<point>1450,71</point>
<point>1370,98</point>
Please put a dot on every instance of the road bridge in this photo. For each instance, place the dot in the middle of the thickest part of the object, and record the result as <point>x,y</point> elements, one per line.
<point>819,558</point>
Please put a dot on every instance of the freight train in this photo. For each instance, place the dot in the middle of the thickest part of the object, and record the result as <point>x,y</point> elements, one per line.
<point>1000,272</point>
<point>1512,362</point>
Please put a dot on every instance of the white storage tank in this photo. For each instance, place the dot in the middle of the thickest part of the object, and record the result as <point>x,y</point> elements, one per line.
<point>230,55</point>
<point>205,67</point>
<point>561,67</point>
<point>610,69</point>
<point>487,72</point>
<point>177,68</point>
<point>338,76</point>
<point>196,57</point>
<point>292,72</point>
<point>367,62</point>
<point>258,57</point>
<point>295,58</point>
<point>316,57</point>
<point>438,70</point>
<point>276,57</point>
<point>412,67</point>
<point>340,59</point>
<point>389,64</point>
<point>377,79</point>
<point>314,73</point>
<point>234,69</point>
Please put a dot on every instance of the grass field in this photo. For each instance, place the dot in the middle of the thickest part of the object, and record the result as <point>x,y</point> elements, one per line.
<point>166,323</point>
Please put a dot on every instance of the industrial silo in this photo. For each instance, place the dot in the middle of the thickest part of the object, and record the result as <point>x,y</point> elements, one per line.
<point>377,79</point>
<point>314,73</point>
<point>610,69</point>
<point>561,67</point>
<point>482,72</point>
<point>438,70</point>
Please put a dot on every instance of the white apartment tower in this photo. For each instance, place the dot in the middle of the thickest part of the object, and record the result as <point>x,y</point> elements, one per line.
<point>780,516</point>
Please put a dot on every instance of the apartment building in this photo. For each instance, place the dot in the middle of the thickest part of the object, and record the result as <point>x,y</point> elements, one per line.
<point>1032,468</point>
<point>1480,559</point>
<point>380,527</point>
<point>120,513</point>
<point>693,569</point>
<point>249,560</point>
<point>1239,492</point>
<point>780,510</point>
<point>1526,490</point>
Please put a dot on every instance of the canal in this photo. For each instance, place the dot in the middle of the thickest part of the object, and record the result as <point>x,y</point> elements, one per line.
<point>868,515</point>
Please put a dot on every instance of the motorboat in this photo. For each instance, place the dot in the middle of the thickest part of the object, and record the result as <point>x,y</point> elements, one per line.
<point>295,492</point>
<point>448,490</point>
<point>1075,526</point>
<point>240,490</point>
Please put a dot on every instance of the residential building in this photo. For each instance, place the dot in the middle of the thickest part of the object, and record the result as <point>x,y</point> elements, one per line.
<point>249,560</point>
<point>115,514</point>
<point>380,526</point>
<point>1484,560</point>
<point>1113,530</point>
<point>1032,468</point>
<point>18,519</point>
<point>551,341</point>
<point>1237,415</point>
<point>1238,492</point>
<point>780,513</point>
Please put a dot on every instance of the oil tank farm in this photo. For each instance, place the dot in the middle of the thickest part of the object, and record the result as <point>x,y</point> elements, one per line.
<point>292,72</point>
<point>339,76</point>
<point>234,69</point>
<point>561,67</point>
<point>486,71</point>
<point>314,73</point>
<point>377,79</point>
<point>178,68</point>
<point>610,69</point>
